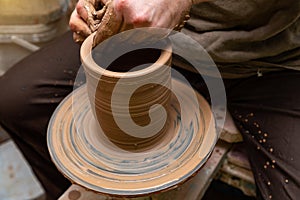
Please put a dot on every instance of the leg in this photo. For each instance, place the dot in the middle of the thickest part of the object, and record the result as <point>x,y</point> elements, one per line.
<point>267,111</point>
<point>31,90</point>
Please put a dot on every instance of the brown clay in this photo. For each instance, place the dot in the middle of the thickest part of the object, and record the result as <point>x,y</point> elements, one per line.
<point>84,154</point>
<point>101,84</point>
<point>103,20</point>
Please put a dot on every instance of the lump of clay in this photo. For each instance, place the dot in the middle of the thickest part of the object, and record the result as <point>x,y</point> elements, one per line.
<point>103,19</point>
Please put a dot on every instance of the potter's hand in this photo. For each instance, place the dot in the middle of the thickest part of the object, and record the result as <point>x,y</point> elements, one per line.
<point>119,15</point>
<point>126,14</point>
<point>154,13</point>
<point>86,18</point>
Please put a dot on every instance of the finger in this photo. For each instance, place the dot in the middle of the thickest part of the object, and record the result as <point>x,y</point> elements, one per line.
<point>86,10</point>
<point>182,21</point>
<point>76,24</point>
<point>110,25</point>
<point>78,38</point>
<point>100,13</point>
<point>96,16</point>
<point>82,12</point>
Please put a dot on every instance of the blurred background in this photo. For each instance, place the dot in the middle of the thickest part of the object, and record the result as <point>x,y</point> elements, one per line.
<point>27,25</point>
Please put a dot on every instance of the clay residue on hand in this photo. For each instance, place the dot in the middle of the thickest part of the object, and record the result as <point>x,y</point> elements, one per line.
<point>104,20</point>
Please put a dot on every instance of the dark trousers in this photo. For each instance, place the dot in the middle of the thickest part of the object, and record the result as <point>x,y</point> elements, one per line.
<point>265,109</point>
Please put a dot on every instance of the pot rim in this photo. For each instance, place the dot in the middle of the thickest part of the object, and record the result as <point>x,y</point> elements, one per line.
<point>89,63</point>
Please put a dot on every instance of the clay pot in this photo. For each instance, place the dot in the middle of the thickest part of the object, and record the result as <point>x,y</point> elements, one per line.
<point>124,100</point>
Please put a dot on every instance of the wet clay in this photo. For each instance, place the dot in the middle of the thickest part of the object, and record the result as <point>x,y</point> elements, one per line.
<point>149,78</point>
<point>139,106</point>
<point>85,155</point>
<point>102,19</point>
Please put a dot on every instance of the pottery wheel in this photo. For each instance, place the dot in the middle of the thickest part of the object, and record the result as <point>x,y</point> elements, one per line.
<point>83,153</point>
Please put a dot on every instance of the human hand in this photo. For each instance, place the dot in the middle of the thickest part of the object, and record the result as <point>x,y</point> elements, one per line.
<point>122,15</point>
<point>86,17</point>
<point>154,13</point>
<point>119,15</point>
